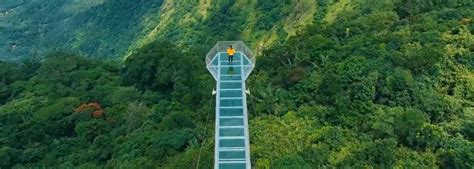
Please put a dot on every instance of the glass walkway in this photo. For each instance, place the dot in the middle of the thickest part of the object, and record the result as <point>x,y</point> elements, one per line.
<point>231,134</point>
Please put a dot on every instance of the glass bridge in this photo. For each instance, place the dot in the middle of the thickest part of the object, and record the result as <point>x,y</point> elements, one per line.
<point>232,148</point>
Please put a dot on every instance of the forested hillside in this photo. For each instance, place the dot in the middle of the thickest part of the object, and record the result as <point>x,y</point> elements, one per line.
<point>381,84</point>
<point>116,28</point>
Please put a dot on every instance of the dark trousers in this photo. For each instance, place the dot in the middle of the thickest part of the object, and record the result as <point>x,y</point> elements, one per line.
<point>230,58</point>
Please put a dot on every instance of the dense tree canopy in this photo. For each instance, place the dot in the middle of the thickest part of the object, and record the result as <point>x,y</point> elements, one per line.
<point>383,84</point>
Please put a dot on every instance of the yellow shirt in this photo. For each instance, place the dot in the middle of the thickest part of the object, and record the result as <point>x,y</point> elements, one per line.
<point>230,51</point>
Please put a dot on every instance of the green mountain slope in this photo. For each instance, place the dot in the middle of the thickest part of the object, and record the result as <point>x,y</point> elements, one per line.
<point>102,29</point>
<point>114,29</point>
<point>366,84</point>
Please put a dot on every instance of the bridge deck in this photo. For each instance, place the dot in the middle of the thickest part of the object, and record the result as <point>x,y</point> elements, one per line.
<point>232,140</point>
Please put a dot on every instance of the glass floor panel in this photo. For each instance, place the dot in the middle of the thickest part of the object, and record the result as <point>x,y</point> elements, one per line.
<point>231,132</point>
<point>232,77</point>
<point>232,70</point>
<point>232,166</point>
<point>231,102</point>
<point>232,122</point>
<point>232,154</point>
<point>232,112</point>
<point>224,56</point>
<point>231,85</point>
<point>232,143</point>
<point>215,62</point>
<point>231,93</point>
<point>246,61</point>
<point>234,62</point>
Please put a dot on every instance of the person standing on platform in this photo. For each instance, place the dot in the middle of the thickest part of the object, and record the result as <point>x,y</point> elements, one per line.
<point>230,53</point>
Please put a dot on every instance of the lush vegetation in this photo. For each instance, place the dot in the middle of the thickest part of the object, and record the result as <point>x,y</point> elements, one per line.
<point>93,28</point>
<point>141,123</point>
<point>385,85</point>
<point>368,84</point>
<point>116,28</point>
